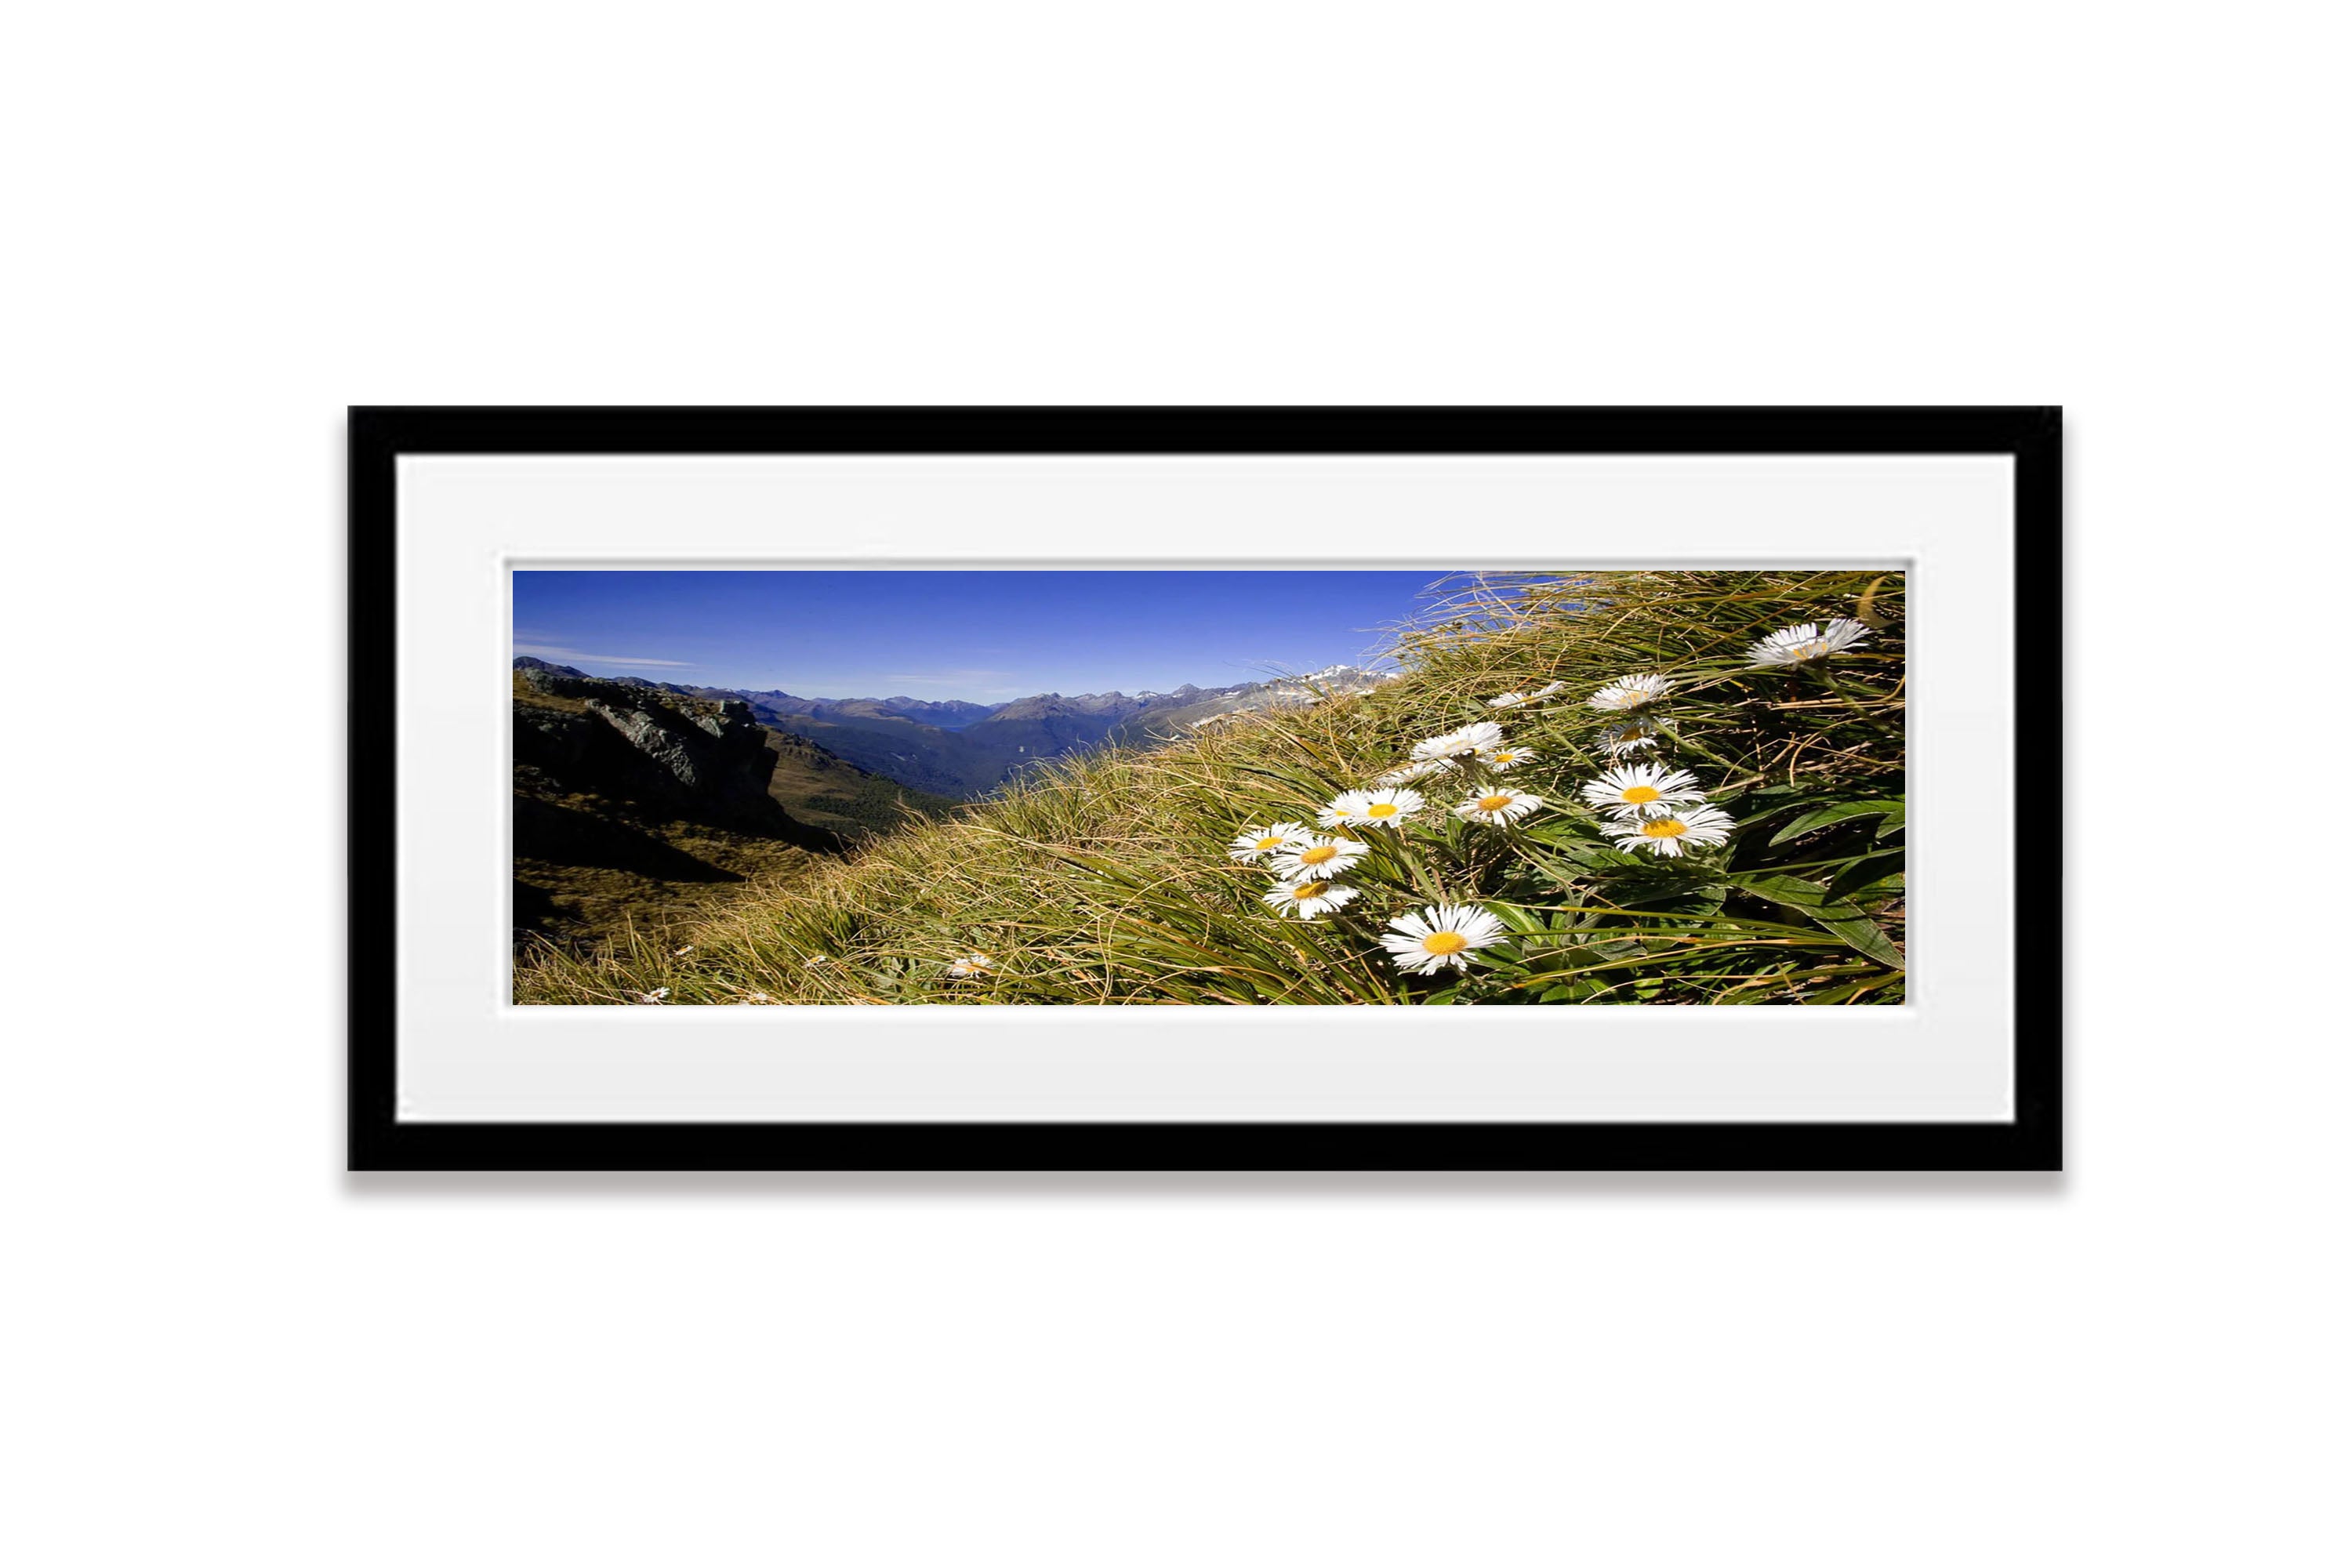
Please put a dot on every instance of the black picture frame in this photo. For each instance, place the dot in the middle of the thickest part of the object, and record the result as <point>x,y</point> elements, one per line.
<point>379,1141</point>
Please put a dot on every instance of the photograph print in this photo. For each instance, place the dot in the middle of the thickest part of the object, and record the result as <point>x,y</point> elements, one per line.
<point>1671,787</point>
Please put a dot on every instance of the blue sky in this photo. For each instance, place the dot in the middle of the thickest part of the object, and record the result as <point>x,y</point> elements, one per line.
<point>981,636</point>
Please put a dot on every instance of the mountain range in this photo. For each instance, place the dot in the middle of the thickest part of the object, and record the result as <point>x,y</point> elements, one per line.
<point>963,749</point>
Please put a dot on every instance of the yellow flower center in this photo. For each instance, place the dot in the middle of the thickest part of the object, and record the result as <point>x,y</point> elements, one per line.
<point>1318,854</point>
<point>1638,795</point>
<point>1443,942</point>
<point>1664,828</point>
<point>1493,802</point>
<point>1381,808</point>
<point>1305,891</point>
<point>1271,841</point>
<point>1814,650</point>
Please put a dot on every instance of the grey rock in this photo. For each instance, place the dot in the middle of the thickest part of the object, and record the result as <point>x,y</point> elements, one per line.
<point>700,759</point>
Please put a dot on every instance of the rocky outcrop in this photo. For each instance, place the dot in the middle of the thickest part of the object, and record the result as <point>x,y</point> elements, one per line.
<point>558,679</point>
<point>691,757</point>
<point>716,759</point>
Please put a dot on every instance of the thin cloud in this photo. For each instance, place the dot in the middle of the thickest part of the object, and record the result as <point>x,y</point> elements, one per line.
<point>571,655</point>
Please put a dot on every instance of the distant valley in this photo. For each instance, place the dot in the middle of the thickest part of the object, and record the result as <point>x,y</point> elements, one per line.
<point>963,749</point>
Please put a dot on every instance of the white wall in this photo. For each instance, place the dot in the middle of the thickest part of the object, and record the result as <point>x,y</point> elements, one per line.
<point>226,222</point>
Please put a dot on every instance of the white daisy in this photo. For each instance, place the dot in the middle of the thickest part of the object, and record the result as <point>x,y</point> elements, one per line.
<point>1642,789</point>
<point>1371,808</point>
<point>655,998</point>
<point>682,951</point>
<point>1689,827</point>
<point>759,998</point>
<point>1630,735</point>
<point>1499,807</point>
<point>1459,742</point>
<point>1502,759</point>
<point>1630,692</point>
<point>1510,700</point>
<point>970,965</point>
<point>1440,936</point>
<point>1309,858</point>
<point>816,959</point>
<point>1414,773</point>
<point>1257,843</point>
<point>1802,643</point>
<point>1310,900</point>
<point>1553,689</point>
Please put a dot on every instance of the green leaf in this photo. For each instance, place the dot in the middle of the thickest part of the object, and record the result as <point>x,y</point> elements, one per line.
<point>1522,920</point>
<point>1832,914</point>
<point>1867,873</point>
<point>1684,899</point>
<point>1839,813</point>
<point>1869,894</point>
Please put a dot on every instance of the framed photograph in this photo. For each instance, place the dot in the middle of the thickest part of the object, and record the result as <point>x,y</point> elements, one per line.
<point>1205,789</point>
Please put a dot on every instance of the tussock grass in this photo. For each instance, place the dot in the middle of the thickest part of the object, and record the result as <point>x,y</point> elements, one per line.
<point>1104,878</point>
